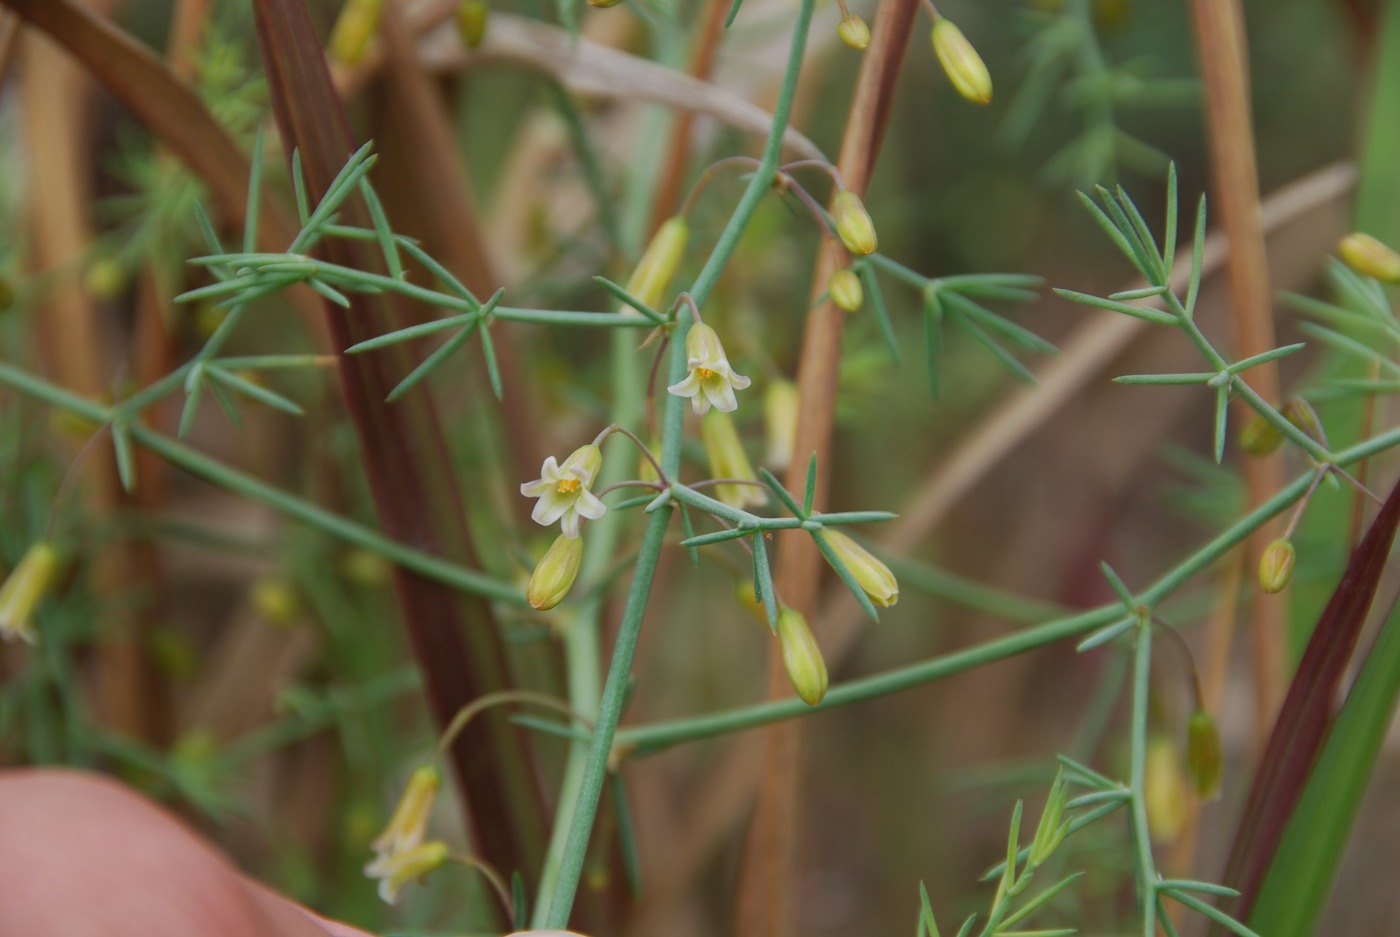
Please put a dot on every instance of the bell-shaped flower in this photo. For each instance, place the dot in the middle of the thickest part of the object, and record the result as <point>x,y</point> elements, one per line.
<point>30,583</point>
<point>410,819</point>
<point>397,869</point>
<point>564,492</point>
<point>711,381</point>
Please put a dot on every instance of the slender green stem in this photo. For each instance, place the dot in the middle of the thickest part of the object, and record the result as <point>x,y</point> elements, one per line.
<point>610,709</point>
<point>646,739</point>
<point>1142,838</point>
<point>217,473</point>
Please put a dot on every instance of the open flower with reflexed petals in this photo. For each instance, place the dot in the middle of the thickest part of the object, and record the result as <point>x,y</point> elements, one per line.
<point>397,869</point>
<point>564,492</point>
<point>711,380</point>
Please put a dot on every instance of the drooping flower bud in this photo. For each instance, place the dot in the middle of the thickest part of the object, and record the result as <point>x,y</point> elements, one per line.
<point>410,819</point>
<point>472,16</point>
<point>1260,437</point>
<point>961,63</point>
<point>353,30</point>
<point>1164,790</point>
<point>845,290</point>
<point>1276,565</point>
<point>1203,759</point>
<point>275,600</point>
<point>1370,257</point>
<point>728,460</point>
<point>853,31</point>
<point>802,657</point>
<point>780,408</point>
<point>555,573</point>
<point>873,576</point>
<point>659,262</point>
<point>853,223</point>
<point>25,588</point>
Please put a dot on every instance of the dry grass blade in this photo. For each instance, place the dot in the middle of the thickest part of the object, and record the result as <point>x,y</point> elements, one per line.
<point>1308,710</point>
<point>146,87</point>
<point>454,637</point>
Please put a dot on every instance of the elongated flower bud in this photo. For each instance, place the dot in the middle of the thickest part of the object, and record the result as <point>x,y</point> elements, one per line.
<point>853,31</point>
<point>1370,257</point>
<point>353,30</point>
<point>1203,759</point>
<point>853,223</point>
<point>845,290</point>
<point>1260,437</point>
<point>802,657</point>
<point>555,573</point>
<point>1164,793</point>
<point>659,262</point>
<point>30,583</point>
<point>728,460</point>
<point>472,16</point>
<point>275,600</point>
<point>397,870</point>
<point>410,819</point>
<point>873,576</point>
<point>961,63</point>
<point>780,409</point>
<point>1276,565</point>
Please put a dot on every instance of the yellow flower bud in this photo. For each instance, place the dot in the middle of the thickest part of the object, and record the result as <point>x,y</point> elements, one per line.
<point>1276,565</point>
<point>366,568</point>
<point>659,262</point>
<point>1260,437</point>
<point>471,22</point>
<point>353,30</point>
<point>275,600</point>
<point>873,576</point>
<point>1164,790</point>
<point>845,290</point>
<point>853,31</point>
<point>853,223</point>
<point>555,573</point>
<point>1203,759</point>
<point>802,658</point>
<point>961,63</point>
<point>105,278</point>
<point>728,460</point>
<point>410,819</point>
<point>1370,257</point>
<point>31,582</point>
<point>780,406</point>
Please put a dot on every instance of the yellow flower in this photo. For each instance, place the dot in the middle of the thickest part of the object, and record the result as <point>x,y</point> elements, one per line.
<point>658,264</point>
<point>395,870</point>
<point>1276,565</point>
<point>555,573</point>
<point>1370,257</point>
<point>410,819</point>
<point>711,381</point>
<point>354,28</point>
<point>845,290</point>
<point>728,460</point>
<point>802,657</point>
<point>853,223</point>
<point>873,576</point>
<point>853,31</point>
<point>961,63</point>
<point>564,492</point>
<point>780,407</point>
<point>30,583</point>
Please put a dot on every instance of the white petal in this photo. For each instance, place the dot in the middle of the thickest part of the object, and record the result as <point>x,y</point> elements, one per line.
<point>569,523</point>
<point>700,403</point>
<point>538,488</point>
<point>721,394</point>
<point>550,508</point>
<point>590,505</point>
<point>739,381</point>
<point>686,388</point>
